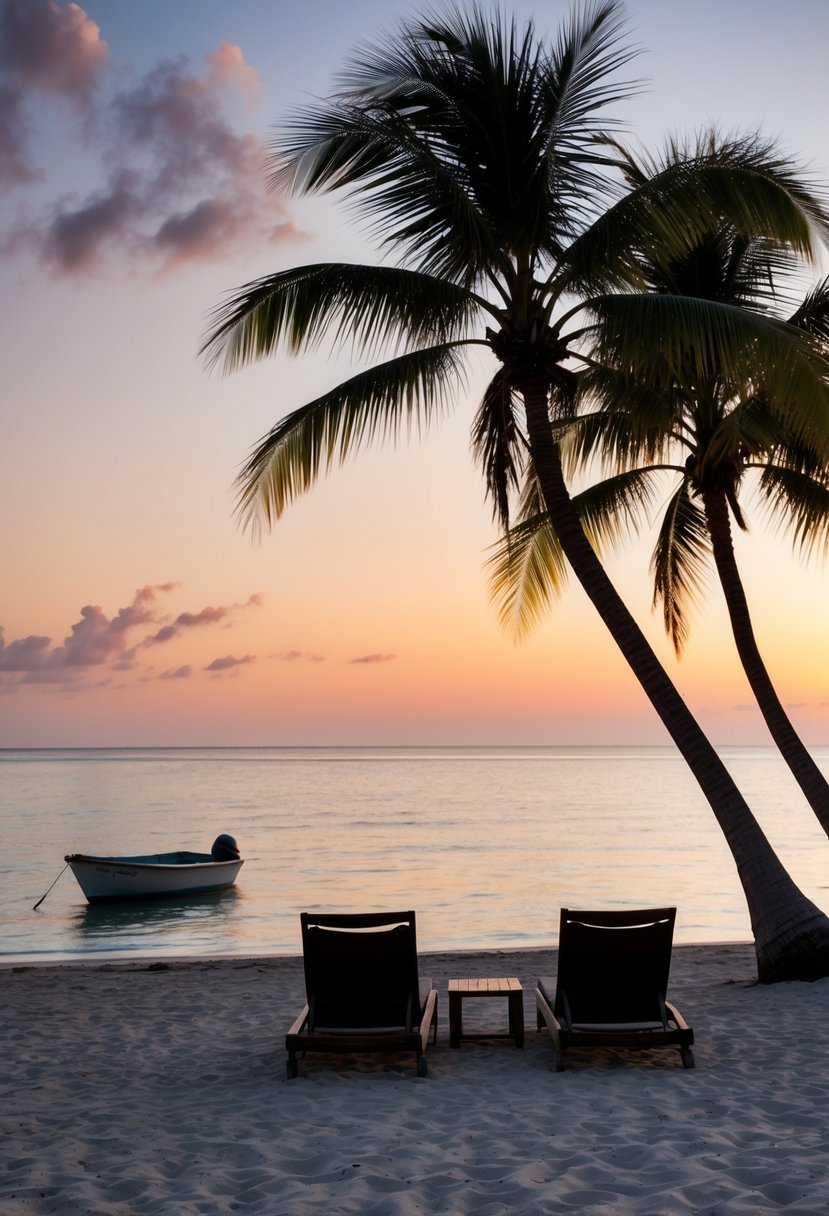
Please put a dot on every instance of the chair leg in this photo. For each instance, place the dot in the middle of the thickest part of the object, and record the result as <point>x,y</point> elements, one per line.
<point>558,1053</point>
<point>455,1019</point>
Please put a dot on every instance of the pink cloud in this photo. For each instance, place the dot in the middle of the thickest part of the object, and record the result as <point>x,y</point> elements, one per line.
<point>227,66</point>
<point>47,48</point>
<point>229,662</point>
<point>293,656</point>
<point>24,654</point>
<point>51,47</point>
<point>207,616</point>
<point>179,181</point>
<point>374,658</point>
<point>15,164</point>
<point>76,238</point>
<point>96,639</point>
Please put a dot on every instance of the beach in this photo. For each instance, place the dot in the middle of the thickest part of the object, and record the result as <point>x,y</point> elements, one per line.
<point>159,1088</point>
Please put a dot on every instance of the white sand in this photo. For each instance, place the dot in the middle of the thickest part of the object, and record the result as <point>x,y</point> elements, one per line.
<point>127,1090</point>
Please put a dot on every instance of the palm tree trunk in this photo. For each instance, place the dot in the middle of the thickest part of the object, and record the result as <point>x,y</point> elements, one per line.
<point>806,773</point>
<point>791,935</point>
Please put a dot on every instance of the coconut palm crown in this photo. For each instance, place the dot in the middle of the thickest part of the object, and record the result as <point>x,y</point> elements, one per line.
<point>714,436</point>
<point>477,154</point>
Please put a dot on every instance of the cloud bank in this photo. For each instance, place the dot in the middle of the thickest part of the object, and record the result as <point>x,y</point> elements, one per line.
<point>178,182</point>
<point>97,641</point>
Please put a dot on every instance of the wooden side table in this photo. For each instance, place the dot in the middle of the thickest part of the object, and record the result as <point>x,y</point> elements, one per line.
<point>460,990</point>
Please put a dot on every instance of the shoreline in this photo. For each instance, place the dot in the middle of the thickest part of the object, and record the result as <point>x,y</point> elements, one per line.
<point>157,1088</point>
<point>15,962</point>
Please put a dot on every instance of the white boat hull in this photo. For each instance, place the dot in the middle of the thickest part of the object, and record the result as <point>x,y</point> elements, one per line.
<point>157,876</point>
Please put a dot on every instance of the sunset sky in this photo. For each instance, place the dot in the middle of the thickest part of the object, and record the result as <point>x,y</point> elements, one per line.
<point>133,609</point>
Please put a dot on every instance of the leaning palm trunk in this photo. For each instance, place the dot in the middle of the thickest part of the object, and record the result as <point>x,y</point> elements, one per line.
<point>805,771</point>
<point>473,150</point>
<point>791,935</point>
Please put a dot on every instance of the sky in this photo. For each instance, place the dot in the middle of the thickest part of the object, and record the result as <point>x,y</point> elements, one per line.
<point>134,610</point>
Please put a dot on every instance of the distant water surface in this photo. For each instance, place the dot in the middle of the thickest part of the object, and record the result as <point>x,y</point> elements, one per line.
<point>485,843</point>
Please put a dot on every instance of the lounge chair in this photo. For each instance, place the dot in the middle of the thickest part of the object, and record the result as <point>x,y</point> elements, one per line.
<point>363,990</point>
<point>610,989</point>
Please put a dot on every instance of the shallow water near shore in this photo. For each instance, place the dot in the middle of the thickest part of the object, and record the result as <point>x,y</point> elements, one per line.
<point>485,843</point>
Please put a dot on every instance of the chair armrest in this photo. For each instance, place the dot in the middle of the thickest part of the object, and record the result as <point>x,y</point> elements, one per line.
<point>429,1015</point>
<point>300,1022</point>
<point>677,1017</point>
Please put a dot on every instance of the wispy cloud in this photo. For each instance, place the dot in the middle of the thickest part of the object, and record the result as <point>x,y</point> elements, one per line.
<point>192,620</point>
<point>229,662</point>
<point>374,658</point>
<point>293,655</point>
<point>178,181</point>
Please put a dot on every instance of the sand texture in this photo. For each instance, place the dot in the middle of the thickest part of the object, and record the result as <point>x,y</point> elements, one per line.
<point>132,1089</point>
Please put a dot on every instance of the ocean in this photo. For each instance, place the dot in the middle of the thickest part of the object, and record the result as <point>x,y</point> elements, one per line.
<point>486,844</point>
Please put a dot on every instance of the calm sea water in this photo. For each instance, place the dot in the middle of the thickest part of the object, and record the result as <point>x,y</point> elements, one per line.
<point>485,843</point>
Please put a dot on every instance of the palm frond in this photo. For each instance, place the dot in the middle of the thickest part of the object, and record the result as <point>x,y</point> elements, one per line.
<point>747,432</point>
<point>612,508</point>
<point>725,265</point>
<point>367,305</point>
<point>581,82</point>
<point>414,200</point>
<point>668,340</point>
<point>675,201</point>
<point>498,444</point>
<point>465,140</point>
<point>527,567</point>
<point>627,422</point>
<point>379,403</point>
<point>796,501</point>
<point>679,563</point>
<point>812,314</point>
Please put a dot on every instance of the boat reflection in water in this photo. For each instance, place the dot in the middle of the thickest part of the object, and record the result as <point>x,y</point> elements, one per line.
<point>185,925</point>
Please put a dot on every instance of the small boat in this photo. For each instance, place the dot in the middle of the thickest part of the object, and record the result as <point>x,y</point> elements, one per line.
<point>106,880</point>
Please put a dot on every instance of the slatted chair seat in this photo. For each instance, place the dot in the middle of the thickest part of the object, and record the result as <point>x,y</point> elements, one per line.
<point>613,970</point>
<point>363,989</point>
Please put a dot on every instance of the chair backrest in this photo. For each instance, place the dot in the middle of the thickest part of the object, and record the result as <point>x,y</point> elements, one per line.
<point>613,967</point>
<point>361,969</point>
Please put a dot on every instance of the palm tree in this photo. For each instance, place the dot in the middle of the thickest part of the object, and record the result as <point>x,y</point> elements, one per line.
<point>709,435</point>
<point>473,149</point>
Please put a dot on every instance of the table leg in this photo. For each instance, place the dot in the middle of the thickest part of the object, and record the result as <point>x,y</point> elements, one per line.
<point>516,1017</point>
<point>455,1019</point>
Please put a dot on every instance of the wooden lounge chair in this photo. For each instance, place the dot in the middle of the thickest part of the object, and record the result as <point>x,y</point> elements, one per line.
<point>363,989</point>
<point>610,989</point>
